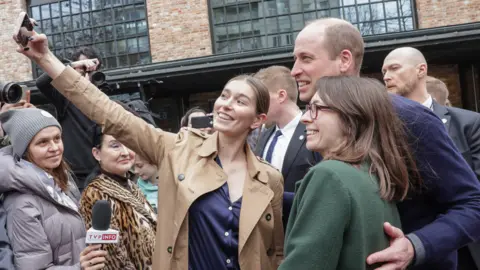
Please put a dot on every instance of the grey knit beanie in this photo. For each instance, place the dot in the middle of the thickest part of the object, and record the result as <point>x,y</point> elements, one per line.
<point>21,125</point>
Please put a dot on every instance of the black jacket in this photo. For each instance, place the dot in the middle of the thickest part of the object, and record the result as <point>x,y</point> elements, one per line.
<point>78,131</point>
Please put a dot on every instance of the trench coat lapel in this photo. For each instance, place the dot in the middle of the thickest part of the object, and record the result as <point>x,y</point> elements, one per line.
<point>256,198</point>
<point>201,178</point>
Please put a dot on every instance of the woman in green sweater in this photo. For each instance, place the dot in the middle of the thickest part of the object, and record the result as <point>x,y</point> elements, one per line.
<point>342,203</point>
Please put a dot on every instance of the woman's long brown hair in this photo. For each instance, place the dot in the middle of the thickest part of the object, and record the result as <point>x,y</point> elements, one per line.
<point>373,132</point>
<point>59,174</point>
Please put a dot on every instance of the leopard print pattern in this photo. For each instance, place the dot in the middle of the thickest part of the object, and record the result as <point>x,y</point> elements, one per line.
<point>132,216</point>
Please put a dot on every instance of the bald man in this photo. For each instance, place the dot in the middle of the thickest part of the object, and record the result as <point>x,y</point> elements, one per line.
<point>440,219</point>
<point>405,73</point>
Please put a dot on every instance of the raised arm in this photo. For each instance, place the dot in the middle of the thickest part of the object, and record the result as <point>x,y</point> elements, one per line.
<point>132,131</point>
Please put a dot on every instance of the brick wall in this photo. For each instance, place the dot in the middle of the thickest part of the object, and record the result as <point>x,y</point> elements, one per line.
<point>178,29</point>
<point>435,13</point>
<point>203,100</point>
<point>13,66</point>
<point>449,75</point>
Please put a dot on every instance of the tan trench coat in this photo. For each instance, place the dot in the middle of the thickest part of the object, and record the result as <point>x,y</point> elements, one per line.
<point>187,170</point>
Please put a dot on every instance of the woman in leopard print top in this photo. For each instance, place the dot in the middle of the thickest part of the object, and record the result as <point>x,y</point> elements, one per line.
<point>132,215</point>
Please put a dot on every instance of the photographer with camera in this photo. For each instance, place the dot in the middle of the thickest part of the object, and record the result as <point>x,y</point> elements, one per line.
<point>11,98</point>
<point>78,130</point>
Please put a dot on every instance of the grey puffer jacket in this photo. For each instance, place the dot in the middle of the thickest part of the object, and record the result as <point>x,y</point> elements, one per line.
<point>44,226</point>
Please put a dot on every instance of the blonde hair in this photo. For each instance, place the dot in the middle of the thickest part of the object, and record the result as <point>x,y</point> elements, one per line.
<point>279,77</point>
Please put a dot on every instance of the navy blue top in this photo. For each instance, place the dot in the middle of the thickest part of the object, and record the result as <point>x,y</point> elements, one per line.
<point>213,223</point>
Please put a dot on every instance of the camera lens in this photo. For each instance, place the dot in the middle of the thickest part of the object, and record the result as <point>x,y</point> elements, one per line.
<point>97,78</point>
<point>10,93</point>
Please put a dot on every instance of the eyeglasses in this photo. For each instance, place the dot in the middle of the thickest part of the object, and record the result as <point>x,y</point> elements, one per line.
<point>314,108</point>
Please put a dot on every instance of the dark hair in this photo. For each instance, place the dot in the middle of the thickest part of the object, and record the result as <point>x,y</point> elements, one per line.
<point>259,89</point>
<point>98,140</point>
<point>373,131</point>
<point>89,52</point>
<point>184,120</point>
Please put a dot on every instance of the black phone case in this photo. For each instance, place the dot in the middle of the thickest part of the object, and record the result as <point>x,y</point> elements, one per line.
<point>202,122</point>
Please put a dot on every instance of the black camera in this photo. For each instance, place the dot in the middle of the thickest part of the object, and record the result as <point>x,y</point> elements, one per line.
<point>97,78</point>
<point>10,93</point>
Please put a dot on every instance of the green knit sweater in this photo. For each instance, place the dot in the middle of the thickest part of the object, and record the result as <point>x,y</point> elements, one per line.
<point>336,219</point>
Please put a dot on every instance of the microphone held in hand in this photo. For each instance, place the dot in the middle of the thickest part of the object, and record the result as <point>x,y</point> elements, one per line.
<point>100,232</point>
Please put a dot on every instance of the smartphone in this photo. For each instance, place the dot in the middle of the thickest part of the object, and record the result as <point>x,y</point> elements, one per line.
<point>202,121</point>
<point>23,29</point>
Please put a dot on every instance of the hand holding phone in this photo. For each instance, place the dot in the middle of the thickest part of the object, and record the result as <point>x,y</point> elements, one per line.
<point>23,30</point>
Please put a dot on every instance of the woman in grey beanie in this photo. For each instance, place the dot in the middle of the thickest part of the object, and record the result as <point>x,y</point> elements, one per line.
<point>41,199</point>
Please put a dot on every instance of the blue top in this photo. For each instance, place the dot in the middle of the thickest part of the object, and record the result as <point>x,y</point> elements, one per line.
<point>213,223</point>
<point>150,191</point>
<point>446,214</point>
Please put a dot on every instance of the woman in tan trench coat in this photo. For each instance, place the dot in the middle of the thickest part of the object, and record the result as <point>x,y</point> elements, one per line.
<point>193,166</point>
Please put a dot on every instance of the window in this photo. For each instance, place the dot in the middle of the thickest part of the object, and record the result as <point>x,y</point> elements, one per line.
<point>117,29</point>
<point>249,25</point>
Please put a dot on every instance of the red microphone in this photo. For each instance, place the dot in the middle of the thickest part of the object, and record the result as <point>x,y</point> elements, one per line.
<point>100,232</point>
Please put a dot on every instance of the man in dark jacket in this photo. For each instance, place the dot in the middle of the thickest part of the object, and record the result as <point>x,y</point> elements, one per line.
<point>78,130</point>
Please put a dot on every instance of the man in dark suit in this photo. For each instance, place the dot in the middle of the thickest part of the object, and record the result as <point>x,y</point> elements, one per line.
<point>445,215</point>
<point>283,144</point>
<point>405,73</point>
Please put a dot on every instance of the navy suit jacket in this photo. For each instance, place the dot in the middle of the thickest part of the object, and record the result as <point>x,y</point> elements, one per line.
<point>463,126</point>
<point>445,215</point>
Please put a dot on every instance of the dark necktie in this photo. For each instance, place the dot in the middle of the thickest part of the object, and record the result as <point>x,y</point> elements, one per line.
<point>268,157</point>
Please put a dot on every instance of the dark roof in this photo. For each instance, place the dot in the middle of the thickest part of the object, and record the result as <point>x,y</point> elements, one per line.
<point>447,35</point>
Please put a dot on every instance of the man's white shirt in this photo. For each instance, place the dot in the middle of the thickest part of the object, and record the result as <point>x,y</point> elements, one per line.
<point>283,141</point>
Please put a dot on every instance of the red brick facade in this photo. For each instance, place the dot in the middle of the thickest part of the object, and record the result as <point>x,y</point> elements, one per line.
<point>178,29</point>
<point>13,66</point>
<point>435,13</point>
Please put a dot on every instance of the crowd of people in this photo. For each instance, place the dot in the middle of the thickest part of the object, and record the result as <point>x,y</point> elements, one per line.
<point>368,176</point>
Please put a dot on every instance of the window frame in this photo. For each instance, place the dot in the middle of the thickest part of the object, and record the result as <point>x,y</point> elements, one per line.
<point>410,20</point>
<point>59,36</point>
